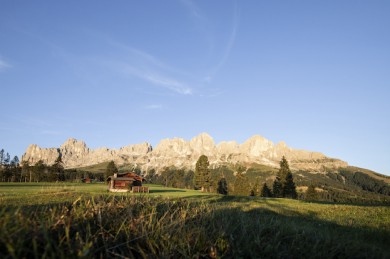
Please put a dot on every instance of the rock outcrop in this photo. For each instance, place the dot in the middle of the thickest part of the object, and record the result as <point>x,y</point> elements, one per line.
<point>75,153</point>
<point>184,154</point>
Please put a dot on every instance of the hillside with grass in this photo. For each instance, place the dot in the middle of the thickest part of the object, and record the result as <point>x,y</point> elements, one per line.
<point>348,184</point>
<point>84,220</point>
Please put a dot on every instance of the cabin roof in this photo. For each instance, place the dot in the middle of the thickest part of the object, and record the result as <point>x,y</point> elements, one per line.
<point>122,178</point>
<point>126,176</point>
<point>133,175</point>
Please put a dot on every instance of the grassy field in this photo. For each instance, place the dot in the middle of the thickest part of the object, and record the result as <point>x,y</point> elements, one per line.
<point>84,220</point>
<point>20,194</point>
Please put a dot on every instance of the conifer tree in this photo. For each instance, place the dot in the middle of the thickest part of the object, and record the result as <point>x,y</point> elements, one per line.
<point>26,172</point>
<point>283,170</point>
<point>289,189</point>
<point>1,156</point>
<point>222,186</point>
<point>15,169</point>
<point>287,181</point>
<point>58,168</point>
<point>39,171</point>
<point>277,188</point>
<point>255,188</point>
<point>202,177</point>
<point>111,169</point>
<point>15,161</point>
<point>7,159</point>
<point>265,191</point>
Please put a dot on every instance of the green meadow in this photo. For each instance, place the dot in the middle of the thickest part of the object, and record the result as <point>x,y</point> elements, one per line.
<point>21,194</point>
<point>49,220</point>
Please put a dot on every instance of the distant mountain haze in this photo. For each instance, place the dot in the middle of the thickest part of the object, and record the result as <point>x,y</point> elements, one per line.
<point>180,153</point>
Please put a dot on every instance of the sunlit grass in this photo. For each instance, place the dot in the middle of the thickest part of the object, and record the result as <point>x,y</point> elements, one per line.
<point>43,193</point>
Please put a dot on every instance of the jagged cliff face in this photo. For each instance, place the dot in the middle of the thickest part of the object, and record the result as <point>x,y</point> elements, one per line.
<point>184,154</point>
<point>76,154</point>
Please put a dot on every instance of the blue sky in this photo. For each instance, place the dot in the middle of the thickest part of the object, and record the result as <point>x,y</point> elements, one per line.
<point>315,74</point>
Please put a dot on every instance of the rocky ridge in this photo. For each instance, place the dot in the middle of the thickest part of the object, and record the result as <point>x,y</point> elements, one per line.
<point>183,154</point>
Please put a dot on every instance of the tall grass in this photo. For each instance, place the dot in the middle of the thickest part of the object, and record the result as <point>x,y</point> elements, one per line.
<point>151,227</point>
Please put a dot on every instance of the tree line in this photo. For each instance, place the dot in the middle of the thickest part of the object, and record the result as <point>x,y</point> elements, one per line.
<point>11,170</point>
<point>342,186</point>
<point>222,181</point>
<point>283,185</point>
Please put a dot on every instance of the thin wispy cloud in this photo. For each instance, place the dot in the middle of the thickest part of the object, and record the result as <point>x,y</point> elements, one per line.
<point>153,70</point>
<point>169,83</point>
<point>139,54</point>
<point>143,59</point>
<point>159,80</point>
<point>146,66</point>
<point>193,9</point>
<point>229,44</point>
<point>150,68</point>
<point>4,65</point>
<point>225,46</point>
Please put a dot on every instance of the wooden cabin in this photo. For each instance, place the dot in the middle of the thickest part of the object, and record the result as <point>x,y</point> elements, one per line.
<point>124,182</point>
<point>86,180</point>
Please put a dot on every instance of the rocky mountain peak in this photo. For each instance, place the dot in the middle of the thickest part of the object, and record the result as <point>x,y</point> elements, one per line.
<point>172,146</point>
<point>137,148</point>
<point>74,147</point>
<point>183,154</point>
<point>256,145</point>
<point>228,147</point>
<point>202,141</point>
<point>72,142</point>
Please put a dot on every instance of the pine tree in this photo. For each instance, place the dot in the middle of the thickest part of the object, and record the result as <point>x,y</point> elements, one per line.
<point>1,157</point>
<point>111,169</point>
<point>7,159</point>
<point>26,172</point>
<point>265,191</point>
<point>255,188</point>
<point>15,169</point>
<point>202,177</point>
<point>58,168</point>
<point>277,188</point>
<point>15,161</point>
<point>289,189</point>
<point>283,170</point>
<point>222,186</point>
<point>286,179</point>
<point>39,170</point>
<point>311,193</point>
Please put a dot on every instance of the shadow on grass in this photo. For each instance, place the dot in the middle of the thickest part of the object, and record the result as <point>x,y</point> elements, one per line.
<point>213,198</point>
<point>232,198</point>
<point>184,229</point>
<point>261,232</point>
<point>360,204</point>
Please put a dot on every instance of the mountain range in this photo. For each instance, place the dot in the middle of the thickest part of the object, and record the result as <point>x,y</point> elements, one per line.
<point>180,153</point>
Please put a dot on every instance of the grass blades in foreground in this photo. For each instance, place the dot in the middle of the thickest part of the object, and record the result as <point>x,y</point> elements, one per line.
<point>86,221</point>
